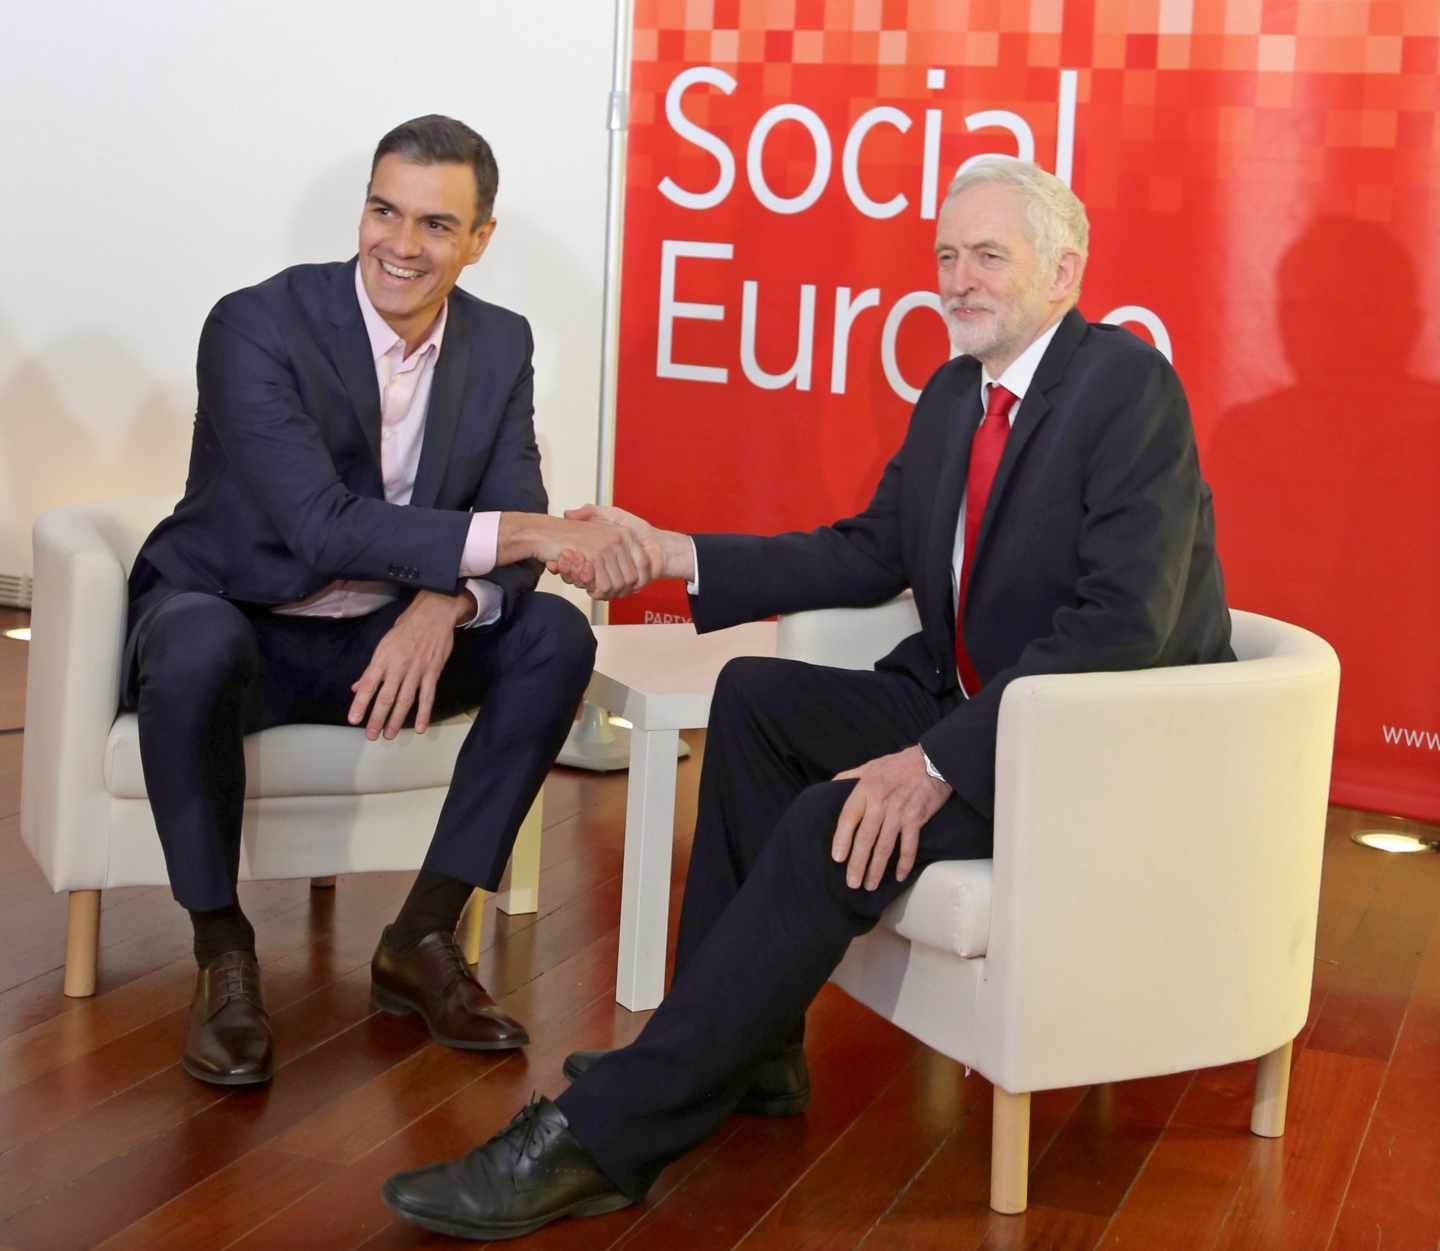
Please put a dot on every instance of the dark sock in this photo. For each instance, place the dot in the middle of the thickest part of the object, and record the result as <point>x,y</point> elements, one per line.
<point>795,1040</point>
<point>221,930</point>
<point>435,903</point>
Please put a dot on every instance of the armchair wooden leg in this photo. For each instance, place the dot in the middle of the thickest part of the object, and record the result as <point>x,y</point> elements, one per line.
<point>323,883</point>
<point>1272,1089</point>
<point>1009,1152</point>
<point>467,933</point>
<point>82,943</point>
<point>520,892</point>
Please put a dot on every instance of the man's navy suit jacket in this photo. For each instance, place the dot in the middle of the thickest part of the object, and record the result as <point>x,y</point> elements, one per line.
<point>284,492</point>
<point>1096,551</point>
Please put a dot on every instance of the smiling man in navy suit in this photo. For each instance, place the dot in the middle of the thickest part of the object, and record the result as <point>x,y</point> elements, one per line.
<point>361,533</point>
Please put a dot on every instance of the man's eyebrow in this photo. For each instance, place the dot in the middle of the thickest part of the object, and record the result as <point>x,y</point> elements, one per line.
<point>980,245</point>
<point>448,218</point>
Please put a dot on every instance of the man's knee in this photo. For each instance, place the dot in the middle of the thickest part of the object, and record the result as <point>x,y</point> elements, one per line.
<point>804,839</point>
<point>196,642</point>
<point>753,684</point>
<point>557,636</point>
<point>806,832</point>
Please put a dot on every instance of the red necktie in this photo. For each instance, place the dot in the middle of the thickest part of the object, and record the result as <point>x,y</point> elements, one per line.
<point>985,451</point>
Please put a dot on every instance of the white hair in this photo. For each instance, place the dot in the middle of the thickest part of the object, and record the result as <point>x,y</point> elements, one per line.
<point>1054,217</point>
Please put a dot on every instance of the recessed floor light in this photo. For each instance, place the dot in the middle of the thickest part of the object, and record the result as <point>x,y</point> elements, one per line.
<point>1394,841</point>
<point>21,634</point>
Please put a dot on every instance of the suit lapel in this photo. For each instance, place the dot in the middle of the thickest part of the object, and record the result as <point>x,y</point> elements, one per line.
<point>447,393</point>
<point>350,350</point>
<point>955,465</point>
<point>1034,409</point>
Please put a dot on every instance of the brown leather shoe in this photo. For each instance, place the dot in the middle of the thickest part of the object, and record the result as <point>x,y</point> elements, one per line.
<point>229,1042</point>
<point>433,981</point>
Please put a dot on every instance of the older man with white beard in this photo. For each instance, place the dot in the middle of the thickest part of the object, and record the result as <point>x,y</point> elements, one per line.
<point>1048,497</point>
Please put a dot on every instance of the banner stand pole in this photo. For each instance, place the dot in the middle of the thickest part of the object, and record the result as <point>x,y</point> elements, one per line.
<point>593,742</point>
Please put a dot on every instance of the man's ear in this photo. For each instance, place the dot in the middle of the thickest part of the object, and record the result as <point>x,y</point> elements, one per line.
<point>479,241</point>
<point>1067,275</point>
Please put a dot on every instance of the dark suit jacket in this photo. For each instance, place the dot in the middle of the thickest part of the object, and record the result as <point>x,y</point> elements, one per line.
<point>1096,551</point>
<point>284,492</point>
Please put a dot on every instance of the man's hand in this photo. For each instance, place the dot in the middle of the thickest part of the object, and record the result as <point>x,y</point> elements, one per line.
<point>892,800</point>
<point>674,554</point>
<point>605,559</point>
<point>407,662</point>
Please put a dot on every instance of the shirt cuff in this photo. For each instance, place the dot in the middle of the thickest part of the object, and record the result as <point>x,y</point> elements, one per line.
<point>693,586</point>
<point>930,769</point>
<point>489,600</point>
<point>481,544</point>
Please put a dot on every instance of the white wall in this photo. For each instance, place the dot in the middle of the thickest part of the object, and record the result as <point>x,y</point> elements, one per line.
<point>162,153</point>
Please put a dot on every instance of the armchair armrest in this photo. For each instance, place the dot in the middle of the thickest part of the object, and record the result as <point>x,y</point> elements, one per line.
<point>847,638</point>
<point>83,553</point>
<point>1158,838</point>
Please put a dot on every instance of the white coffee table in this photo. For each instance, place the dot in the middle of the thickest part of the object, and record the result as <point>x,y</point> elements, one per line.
<point>660,679</point>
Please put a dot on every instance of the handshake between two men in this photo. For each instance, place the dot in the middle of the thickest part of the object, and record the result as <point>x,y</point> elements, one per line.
<point>607,552</point>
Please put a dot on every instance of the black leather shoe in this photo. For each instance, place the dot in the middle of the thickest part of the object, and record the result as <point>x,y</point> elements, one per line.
<point>229,1041</point>
<point>532,1172</point>
<point>433,981</point>
<point>780,1086</point>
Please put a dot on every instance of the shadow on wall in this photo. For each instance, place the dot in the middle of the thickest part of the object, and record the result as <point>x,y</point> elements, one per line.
<point>56,449</point>
<point>1328,490</point>
<point>523,257</point>
<point>80,416</point>
<point>326,218</point>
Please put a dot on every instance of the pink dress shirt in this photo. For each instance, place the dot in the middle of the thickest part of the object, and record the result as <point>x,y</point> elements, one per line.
<point>404,383</point>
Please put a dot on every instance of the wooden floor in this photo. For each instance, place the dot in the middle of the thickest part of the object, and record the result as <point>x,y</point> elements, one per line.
<point>104,1142</point>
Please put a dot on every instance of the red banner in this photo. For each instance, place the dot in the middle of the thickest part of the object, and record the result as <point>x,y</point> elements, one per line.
<point>1261,178</point>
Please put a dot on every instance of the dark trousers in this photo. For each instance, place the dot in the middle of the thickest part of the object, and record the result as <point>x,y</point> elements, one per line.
<point>204,671</point>
<point>767,914</point>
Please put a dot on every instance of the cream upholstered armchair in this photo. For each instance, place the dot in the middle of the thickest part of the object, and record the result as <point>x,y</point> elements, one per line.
<point>1152,900</point>
<point>320,800</point>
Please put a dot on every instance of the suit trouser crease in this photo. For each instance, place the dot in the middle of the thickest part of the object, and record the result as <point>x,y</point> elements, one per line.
<point>206,671</point>
<point>767,914</point>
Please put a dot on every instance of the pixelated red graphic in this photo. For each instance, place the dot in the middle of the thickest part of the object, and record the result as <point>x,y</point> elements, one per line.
<point>1261,180</point>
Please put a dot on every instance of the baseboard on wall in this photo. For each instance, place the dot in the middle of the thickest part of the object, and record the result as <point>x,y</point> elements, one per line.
<point>16,590</point>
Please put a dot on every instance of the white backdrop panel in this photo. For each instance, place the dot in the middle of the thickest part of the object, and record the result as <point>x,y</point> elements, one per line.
<point>163,153</point>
